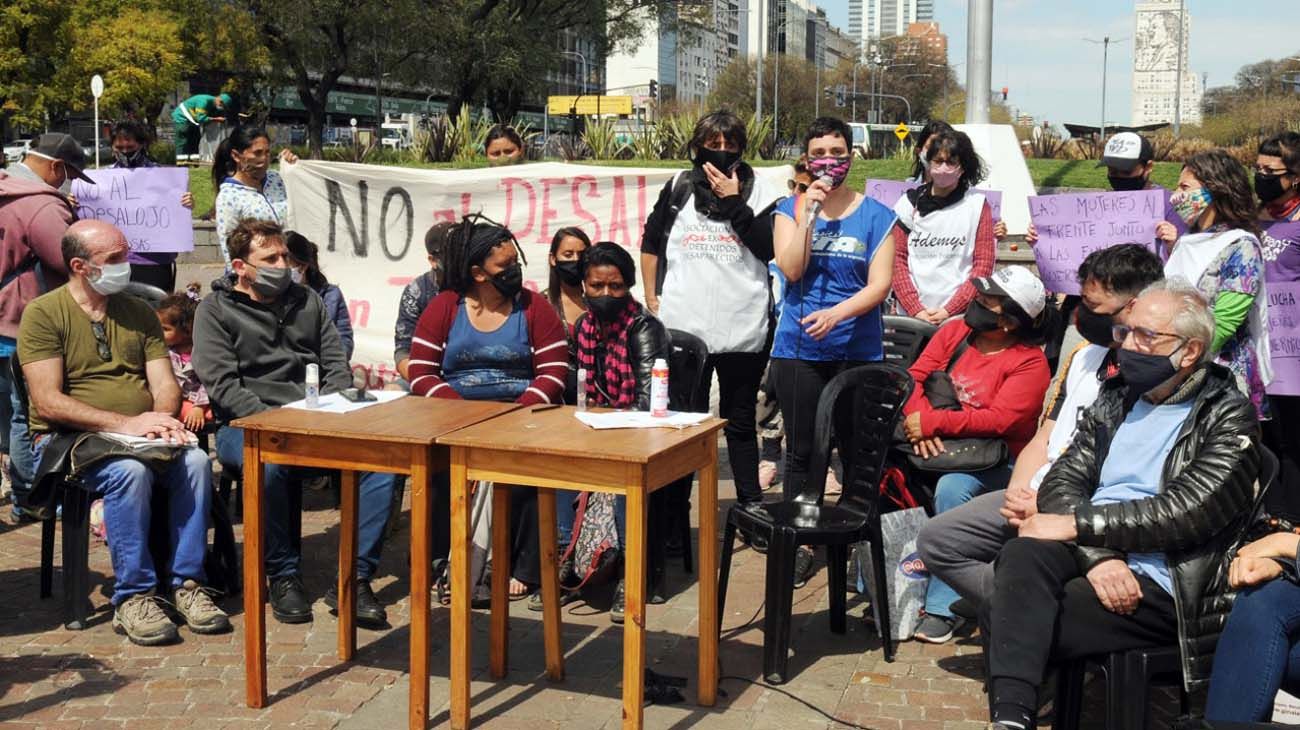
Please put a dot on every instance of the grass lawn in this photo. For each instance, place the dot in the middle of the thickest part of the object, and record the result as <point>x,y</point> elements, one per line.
<point>1046,173</point>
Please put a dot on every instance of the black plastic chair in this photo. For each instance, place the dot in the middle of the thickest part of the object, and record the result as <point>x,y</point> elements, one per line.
<point>687,391</point>
<point>1130,674</point>
<point>869,401</point>
<point>905,338</point>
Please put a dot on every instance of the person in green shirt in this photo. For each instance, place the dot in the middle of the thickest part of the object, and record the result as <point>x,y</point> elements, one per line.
<point>189,118</point>
<point>95,361</point>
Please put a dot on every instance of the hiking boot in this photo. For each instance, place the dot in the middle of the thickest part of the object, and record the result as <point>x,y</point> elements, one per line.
<point>937,629</point>
<point>289,602</point>
<point>143,621</point>
<point>803,567</point>
<point>194,604</point>
<point>370,612</point>
<point>619,605</point>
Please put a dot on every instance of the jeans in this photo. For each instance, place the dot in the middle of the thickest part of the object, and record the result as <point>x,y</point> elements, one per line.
<point>952,491</point>
<point>959,546</point>
<point>282,559</point>
<point>1256,654</point>
<point>127,488</point>
<point>22,463</point>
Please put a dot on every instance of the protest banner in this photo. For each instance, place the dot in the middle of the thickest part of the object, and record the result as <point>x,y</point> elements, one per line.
<point>369,222</point>
<point>1072,225</point>
<point>1284,337</point>
<point>887,192</point>
<point>144,203</point>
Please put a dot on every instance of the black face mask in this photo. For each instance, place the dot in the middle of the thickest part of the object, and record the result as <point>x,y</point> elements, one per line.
<point>1269,187</point>
<point>1127,184</point>
<point>607,308</point>
<point>721,159</point>
<point>133,160</point>
<point>509,281</point>
<point>980,318</point>
<point>1143,372</point>
<point>1094,327</point>
<point>570,272</point>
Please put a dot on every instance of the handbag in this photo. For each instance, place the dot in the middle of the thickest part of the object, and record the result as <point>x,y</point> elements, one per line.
<point>593,545</point>
<point>965,455</point>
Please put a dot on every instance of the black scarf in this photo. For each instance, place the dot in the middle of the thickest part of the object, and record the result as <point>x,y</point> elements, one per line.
<point>925,203</point>
<point>710,205</point>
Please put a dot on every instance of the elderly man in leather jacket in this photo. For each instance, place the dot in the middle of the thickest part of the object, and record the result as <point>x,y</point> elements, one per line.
<point>1151,520</point>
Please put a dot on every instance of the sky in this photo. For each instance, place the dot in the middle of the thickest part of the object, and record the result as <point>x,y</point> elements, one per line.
<point>1052,73</point>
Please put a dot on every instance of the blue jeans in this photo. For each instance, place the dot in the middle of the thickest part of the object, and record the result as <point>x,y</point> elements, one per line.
<point>566,511</point>
<point>22,463</point>
<point>373,506</point>
<point>954,490</point>
<point>1257,653</point>
<point>127,488</point>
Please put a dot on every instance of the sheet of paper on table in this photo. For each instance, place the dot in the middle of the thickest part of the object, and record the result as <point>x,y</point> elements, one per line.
<point>336,403</point>
<point>639,419</point>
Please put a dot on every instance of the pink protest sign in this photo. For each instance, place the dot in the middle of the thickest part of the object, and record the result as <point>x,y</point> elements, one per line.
<point>887,192</point>
<point>1284,337</point>
<point>144,203</point>
<point>1072,225</point>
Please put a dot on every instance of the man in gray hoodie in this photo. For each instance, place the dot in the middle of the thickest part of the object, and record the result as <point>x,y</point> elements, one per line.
<point>254,337</point>
<point>34,213</point>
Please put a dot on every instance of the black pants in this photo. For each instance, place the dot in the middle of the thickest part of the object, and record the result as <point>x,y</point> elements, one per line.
<point>798,385</point>
<point>1044,610</point>
<point>1282,436</point>
<point>739,376</point>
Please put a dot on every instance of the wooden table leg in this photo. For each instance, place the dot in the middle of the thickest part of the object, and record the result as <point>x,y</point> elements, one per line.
<point>421,558</point>
<point>707,572</point>
<point>347,588</point>
<point>460,591</point>
<point>634,565</point>
<point>499,628</point>
<point>254,575</point>
<point>551,618</point>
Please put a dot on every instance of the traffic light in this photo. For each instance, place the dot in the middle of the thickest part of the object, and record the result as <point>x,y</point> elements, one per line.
<point>654,89</point>
<point>1004,93</point>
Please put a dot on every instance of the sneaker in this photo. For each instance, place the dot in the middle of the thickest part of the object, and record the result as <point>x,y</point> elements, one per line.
<point>619,605</point>
<point>767,474</point>
<point>370,612</point>
<point>143,621</point>
<point>566,597</point>
<point>937,629</point>
<point>803,567</point>
<point>194,603</point>
<point>965,609</point>
<point>289,602</point>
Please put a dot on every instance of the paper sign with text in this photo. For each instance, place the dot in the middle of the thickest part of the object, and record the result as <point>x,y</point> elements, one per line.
<point>1072,225</point>
<point>1284,337</point>
<point>887,192</point>
<point>144,203</point>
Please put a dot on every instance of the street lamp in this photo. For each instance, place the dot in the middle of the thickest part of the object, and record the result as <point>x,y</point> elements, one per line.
<point>1105,52</point>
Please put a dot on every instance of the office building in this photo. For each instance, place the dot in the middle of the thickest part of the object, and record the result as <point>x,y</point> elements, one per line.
<point>1158,30</point>
<point>871,20</point>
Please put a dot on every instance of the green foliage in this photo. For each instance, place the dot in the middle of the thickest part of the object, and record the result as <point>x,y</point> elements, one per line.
<point>138,52</point>
<point>759,132</point>
<point>676,131</point>
<point>164,153</point>
<point>647,144</point>
<point>603,140</point>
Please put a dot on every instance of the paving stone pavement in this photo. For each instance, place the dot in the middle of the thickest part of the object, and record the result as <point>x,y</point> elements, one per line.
<point>51,677</point>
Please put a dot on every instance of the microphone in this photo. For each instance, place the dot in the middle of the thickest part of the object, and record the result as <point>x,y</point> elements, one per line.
<point>816,209</point>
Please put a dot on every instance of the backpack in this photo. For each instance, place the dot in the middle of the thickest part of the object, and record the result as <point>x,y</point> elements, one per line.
<point>593,544</point>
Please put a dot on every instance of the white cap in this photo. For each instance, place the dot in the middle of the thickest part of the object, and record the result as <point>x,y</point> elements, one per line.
<point>313,373</point>
<point>1125,151</point>
<point>1018,284</point>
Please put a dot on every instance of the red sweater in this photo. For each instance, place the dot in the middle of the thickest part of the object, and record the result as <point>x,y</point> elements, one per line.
<point>545,336</point>
<point>982,261</point>
<point>1001,394</point>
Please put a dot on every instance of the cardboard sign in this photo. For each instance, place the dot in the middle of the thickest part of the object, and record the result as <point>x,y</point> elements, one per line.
<point>887,192</point>
<point>1072,225</point>
<point>144,203</point>
<point>1284,337</point>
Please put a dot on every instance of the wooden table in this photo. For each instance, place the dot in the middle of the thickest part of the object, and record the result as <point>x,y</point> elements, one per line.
<point>552,450</point>
<point>399,437</point>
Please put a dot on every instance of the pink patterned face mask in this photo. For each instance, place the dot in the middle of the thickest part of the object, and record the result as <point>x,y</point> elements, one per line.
<point>835,169</point>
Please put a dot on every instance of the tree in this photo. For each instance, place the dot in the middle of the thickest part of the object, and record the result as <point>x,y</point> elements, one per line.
<point>797,80</point>
<point>33,37</point>
<point>138,52</point>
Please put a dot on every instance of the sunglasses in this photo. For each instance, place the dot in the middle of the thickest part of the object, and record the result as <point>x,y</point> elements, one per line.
<point>1145,338</point>
<point>101,341</point>
<point>797,186</point>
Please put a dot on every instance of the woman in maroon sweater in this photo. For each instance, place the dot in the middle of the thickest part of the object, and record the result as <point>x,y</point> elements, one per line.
<point>485,337</point>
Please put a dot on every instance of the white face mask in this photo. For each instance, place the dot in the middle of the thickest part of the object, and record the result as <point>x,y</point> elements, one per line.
<point>112,278</point>
<point>296,275</point>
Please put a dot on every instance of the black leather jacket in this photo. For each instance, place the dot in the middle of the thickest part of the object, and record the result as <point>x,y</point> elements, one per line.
<point>647,340</point>
<point>1206,498</point>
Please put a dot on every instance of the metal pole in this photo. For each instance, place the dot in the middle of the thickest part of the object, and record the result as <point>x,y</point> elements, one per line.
<point>758,89</point>
<point>979,60</point>
<point>817,84</point>
<point>1178,82</point>
<point>1105,52</point>
<point>776,92</point>
<point>853,116</point>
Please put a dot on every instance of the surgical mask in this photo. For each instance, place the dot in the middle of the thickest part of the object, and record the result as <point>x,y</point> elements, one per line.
<point>112,278</point>
<point>135,159</point>
<point>271,282</point>
<point>1190,204</point>
<point>835,169</point>
<point>980,318</point>
<point>607,308</point>
<point>1095,328</point>
<point>570,272</point>
<point>945,175</point>
<point>509,281</point>
<point>1144,372</point>
<point>1126,184</point>
<point>721,159</point>
<point>1269,187</point>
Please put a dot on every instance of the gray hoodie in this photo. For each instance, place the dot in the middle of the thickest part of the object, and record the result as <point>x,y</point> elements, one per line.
<point>252,357</point>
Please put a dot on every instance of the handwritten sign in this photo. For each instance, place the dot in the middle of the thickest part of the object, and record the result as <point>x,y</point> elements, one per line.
<point>1281,244</point>
<point>1072,225</point>
<point>1284,337</point>
<point>887,192</point>
<point>144,203</point>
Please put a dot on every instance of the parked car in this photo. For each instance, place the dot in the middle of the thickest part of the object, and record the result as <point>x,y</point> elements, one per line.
<point>105,153</point>
<point>14,151</point>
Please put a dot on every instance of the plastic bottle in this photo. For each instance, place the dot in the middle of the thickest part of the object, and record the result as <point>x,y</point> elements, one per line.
<point>313,385</point>
<point>659,389</point>
<point>582,389</point>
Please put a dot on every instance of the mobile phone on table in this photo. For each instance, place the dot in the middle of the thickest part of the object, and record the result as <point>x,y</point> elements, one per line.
<point>357,395</point>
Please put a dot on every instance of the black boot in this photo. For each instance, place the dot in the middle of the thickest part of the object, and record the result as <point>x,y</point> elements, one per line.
<point>617,608</point>
<point>289,602</point>
<point>370,612</point>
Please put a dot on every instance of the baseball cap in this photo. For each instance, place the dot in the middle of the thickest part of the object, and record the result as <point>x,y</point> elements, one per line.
<point>62,147</point>
<point>1126,150</point>
<point>1017,284</point>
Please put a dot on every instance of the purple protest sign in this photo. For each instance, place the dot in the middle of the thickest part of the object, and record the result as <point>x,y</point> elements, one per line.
<point>1284,337</point>
<point>144,203</point>
<point>1072,225</point>
<point>887,192</point>
<point>1281,244</point>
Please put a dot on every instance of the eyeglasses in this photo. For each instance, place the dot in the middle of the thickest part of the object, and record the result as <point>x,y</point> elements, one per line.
<point>101,341</point>
<point>1143,337</point>
<point>797,187</point>
<point>1259,170</point>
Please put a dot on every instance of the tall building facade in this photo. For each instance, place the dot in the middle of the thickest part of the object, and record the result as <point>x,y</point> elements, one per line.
<point>1156,40</point>
<point>873,19</point>
<point>683,54</point>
